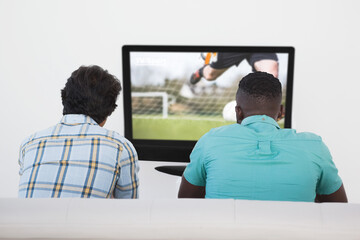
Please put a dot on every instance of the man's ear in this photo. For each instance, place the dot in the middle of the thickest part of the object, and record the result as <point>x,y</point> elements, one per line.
<point>239,114</point>
<point>102,123</point>
<point>281,113</point>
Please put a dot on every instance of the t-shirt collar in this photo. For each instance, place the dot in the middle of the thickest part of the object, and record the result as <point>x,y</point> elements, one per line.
<point>259,119</point>
<point>77,119</point>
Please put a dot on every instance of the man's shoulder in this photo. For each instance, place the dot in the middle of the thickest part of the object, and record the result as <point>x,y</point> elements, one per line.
<point>115,136</point>
<point>305,136</point>
<point>38,134</point>
<point>94,130</point>
<point>243,131</point>
<point>123,142</point>
<point>224,129</point>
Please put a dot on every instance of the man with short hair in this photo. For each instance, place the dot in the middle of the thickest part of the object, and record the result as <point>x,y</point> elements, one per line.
<point>257,160</point>
<point>78,157</point>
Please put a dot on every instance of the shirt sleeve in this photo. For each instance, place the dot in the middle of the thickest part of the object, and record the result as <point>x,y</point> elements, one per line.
<point>128,180</point>
<point>21,161</point>
<point>195,172</point>
<point>329,181</point>
<point>21,155</point>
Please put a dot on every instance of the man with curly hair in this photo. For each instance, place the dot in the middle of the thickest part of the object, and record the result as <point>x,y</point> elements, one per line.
<point>78,157</point>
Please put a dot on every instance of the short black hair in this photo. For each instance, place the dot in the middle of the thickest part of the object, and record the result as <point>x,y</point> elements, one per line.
<point>91,91</point>
<point>260,86</point>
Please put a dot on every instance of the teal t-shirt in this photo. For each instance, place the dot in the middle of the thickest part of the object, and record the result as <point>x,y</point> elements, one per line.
<point>257,160</point>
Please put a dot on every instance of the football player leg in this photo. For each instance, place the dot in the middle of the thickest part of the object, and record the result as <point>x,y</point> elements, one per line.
<point>267,65</point>
<point>206,72</point>
<point>221,62</point>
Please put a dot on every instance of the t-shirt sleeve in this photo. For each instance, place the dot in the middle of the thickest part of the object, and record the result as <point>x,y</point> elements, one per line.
<point>329,181</point>
<point>195,171</point>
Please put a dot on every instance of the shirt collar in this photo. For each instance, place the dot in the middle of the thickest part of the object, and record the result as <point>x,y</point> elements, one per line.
<point>77,119</point>
<point>259,119</point>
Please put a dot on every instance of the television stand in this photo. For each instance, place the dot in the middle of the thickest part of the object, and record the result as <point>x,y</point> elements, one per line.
<point>172,170</point>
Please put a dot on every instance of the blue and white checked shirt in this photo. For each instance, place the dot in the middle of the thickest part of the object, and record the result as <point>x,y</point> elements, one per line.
<point>78,158</point>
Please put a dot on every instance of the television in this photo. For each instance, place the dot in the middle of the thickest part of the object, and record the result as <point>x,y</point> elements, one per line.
<point>169,105</point>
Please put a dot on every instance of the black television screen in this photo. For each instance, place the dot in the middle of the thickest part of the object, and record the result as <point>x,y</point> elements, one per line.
<point>169,104</point>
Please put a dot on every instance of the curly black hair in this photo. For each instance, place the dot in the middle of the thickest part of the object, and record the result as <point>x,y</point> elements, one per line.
<point>261,87</point>
<point>91,91</point>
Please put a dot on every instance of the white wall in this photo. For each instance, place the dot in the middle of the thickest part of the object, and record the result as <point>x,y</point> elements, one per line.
<point>42,42</point>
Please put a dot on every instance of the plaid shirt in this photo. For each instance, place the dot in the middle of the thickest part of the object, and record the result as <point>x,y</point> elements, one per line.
<point>78,158</point>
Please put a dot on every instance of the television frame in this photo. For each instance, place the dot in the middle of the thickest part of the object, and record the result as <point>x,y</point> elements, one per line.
<point>175,150</point>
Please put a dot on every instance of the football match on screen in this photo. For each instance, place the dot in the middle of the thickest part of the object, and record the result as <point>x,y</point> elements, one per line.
<point>176,96</point>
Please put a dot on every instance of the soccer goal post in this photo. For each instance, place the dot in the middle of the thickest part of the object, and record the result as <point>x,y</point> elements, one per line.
<point>163,95</point>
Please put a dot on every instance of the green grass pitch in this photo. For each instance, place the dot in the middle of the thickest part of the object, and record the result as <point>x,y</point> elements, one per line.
<point>174,128</point>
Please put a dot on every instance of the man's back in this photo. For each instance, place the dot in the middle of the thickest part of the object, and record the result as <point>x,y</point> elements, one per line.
<point>258,160</point>
<point>78,158</point>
